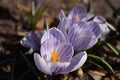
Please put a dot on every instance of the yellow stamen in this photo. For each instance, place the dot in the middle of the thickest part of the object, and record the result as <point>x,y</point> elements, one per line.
<point>55,57</point>
<point>77,19</point>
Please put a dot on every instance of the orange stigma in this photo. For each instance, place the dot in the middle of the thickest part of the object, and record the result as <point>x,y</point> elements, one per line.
<point>55,57</point>
<point>77,19</point>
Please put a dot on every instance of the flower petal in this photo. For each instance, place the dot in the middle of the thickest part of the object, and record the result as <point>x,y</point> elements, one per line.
<point>80,37</point>
<point>88,17</point>
<point>63,26</point>
<point>99,20</point>
<point>103,26</point>
<point>65,52</point>
<point>77,61</point>
<point>58,67</point>
<point>76,11</point>
<point>46,48</point>
<point>32,39</point>
<point>75,15</point>
<point>61,15</point>
<point>41,64</point>
<point>95,28</point>
<point>55,35</point>
<point>104,30</point>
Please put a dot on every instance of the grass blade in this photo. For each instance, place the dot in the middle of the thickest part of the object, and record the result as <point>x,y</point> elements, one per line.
<point>103,61</point>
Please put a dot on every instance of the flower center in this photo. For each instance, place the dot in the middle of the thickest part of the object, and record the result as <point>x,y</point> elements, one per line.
<point>77,19</point>
<point>55,56</point>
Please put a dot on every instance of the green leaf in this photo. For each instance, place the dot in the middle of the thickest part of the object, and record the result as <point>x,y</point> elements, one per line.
<point>114,49</point>
<point>38,13</point>
<point>102,60</point>
<point>94,63</point>
<point>46,26</point>
<point>12,69</point>
<point>112,28</point>
<point>118,17</point>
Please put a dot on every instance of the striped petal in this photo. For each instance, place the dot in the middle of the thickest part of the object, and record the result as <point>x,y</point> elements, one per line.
<point>46,48</point>
<point>32,40</point>
<point>58,67</point>
<point>81,38</point>
<point>65,52</point>
<point>55,35</point>
<point>76,11</point>
<point>99,20</point>
<point>41,64</point>
<point>61,15</point>
<point>88,17</point>
<point>103,26</point>
<point>63,26</point>
<point>95,28</point>
<point>77,61</point>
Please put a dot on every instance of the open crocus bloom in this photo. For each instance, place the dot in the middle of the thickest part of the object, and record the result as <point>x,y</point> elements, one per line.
<point>57,55</point>
<point>82,35</point>
<point>79,28</point>
<point>32,41</point>
<point>78,14</point>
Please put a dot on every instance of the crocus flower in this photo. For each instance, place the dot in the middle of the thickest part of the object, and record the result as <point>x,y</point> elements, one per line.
<point>32,41</point>
<point>83,35</point>
<point>57,54</point>
<point>78,14</point>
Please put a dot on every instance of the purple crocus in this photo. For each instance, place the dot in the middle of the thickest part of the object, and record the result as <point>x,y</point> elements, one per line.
<point>78,14</point>
<point>57,54</point>
<point>32,41</point>
<point>79,31</point>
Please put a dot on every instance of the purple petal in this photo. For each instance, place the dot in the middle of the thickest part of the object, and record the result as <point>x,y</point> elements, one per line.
<point>46,48</point>
<point>41,64</point>
<point>32,39</point>
<point>63,26</point>
<point>80,37</point>
<point>25,42</point>
<point>31,50</point>
<point>99,20</point>
<point>61,15</point>
<point>103,25</point>
<point>65,52</point>
<point>104,30</point>
<point>54,35</point>
<point>77,11</point>
<point>88,17</point>
<point>58,67</point>
<point>77,61</point>
<point>95,28</point>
